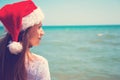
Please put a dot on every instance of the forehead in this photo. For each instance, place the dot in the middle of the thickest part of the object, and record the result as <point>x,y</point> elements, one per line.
<point>38,25</point>
<point>35,27</point>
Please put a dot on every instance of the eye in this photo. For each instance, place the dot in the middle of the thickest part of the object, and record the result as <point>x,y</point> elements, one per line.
<point>39,27</point>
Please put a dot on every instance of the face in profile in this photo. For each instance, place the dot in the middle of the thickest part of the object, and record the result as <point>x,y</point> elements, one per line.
<point>35,34</point>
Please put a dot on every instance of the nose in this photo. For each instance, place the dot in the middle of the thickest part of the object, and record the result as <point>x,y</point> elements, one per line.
<point>42,32</point>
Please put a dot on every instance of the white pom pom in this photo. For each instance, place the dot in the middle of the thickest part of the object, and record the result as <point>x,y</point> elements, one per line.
<point>15,47</point>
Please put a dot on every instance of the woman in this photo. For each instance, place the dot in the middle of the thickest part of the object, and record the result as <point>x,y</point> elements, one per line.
<point>22,21</point>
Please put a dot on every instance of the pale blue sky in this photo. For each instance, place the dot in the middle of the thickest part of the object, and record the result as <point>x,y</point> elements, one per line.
<point>78,12</point>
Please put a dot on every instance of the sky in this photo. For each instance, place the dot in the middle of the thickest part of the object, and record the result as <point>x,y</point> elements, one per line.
<point>77,12</point>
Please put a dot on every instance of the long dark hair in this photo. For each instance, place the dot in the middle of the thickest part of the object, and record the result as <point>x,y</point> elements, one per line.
<point>12,67</point>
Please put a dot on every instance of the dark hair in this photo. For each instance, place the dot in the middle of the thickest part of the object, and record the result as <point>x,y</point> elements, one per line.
<point>12,67</point>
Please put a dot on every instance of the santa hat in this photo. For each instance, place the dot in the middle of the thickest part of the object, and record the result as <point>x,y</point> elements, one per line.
<point>17,17</point>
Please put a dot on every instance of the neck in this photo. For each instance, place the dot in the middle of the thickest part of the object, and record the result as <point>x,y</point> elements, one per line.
<point>28,55</point>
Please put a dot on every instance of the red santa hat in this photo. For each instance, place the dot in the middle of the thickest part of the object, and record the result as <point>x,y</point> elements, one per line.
<point>17,17</point>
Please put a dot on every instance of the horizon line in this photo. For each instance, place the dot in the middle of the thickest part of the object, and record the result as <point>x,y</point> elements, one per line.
<point>80,25</point>
<point>83,25</point>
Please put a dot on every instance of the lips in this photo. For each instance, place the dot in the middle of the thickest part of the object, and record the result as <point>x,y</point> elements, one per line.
<point>39,38</point>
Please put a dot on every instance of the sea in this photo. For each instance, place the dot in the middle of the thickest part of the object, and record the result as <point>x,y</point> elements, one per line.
<point>81,52</point>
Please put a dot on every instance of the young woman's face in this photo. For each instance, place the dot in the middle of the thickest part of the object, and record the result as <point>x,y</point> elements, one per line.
<point>35,34</point>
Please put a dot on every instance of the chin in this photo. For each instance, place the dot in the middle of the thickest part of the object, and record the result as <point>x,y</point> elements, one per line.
<point>37,44</point>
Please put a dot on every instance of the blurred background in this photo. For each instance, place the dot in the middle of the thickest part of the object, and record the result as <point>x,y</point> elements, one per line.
<point>81,40</point>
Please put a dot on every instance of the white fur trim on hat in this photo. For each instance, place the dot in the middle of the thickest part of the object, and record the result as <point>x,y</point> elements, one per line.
<point>33,18</point>
<point>15,47</point>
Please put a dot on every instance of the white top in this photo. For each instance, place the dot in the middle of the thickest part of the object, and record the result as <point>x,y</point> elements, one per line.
<point>38,68</point>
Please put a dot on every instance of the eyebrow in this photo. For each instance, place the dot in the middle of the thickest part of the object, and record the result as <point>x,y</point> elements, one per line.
<point>40,25</point>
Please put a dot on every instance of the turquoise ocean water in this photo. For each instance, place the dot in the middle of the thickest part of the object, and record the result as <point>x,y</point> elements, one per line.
<point>81,52</point>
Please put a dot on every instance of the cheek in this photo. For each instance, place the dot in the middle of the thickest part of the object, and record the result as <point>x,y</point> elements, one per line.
<point>34,38</point>
<point>33,34</point>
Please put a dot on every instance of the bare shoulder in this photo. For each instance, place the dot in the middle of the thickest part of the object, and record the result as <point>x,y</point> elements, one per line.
<point>39,58</point>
